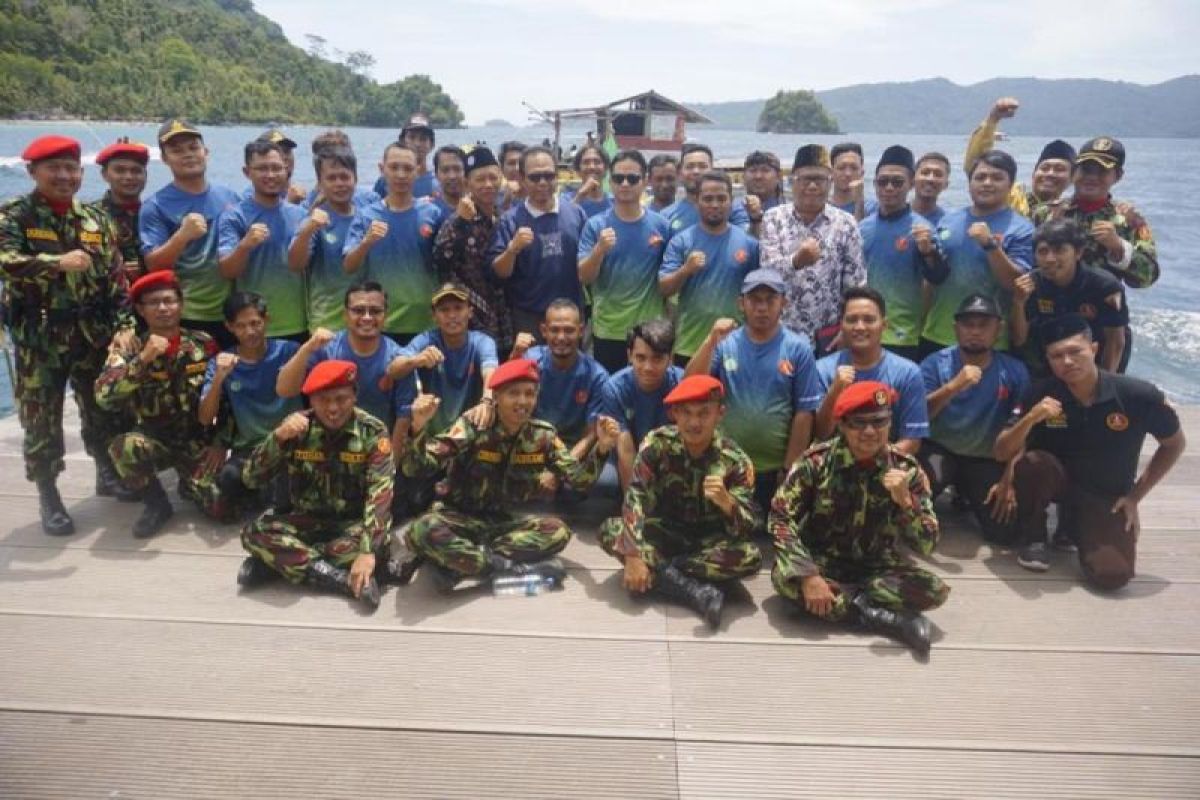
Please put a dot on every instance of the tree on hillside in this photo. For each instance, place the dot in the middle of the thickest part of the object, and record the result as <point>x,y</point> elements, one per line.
<point>795,112</point>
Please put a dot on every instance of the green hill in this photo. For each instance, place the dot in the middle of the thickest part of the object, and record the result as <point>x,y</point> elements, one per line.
<point>209,60</point>
<point>1077,108</point>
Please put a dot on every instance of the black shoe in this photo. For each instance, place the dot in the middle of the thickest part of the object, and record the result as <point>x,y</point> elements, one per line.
<point>108,484</point>
<point>254,572</point>
<point>335,579</point>
<point>55,519</point>
<point>905,626</point>
<point>551,568</point>
<point>1033,557</point>
<point>444,578</point>
<point>1063,541</point>
<point>398,570</point>
<point>156,513</point>
<point>702,597</point>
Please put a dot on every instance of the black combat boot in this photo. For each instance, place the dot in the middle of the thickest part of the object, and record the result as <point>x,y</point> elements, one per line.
<point>158,510</point>
<point>551,568</point>
<point>326,576</point>
<point>702,597</point>
<point>904,626</point>
<point>108,483</point>
<point>55,519</point>
<point>254,572</point>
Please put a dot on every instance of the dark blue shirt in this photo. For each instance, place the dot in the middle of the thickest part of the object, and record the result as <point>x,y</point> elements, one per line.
<point>249,394</point>
<point>911,413</point>
<point>458,380</point>
<point>570,400</point>
<point>386,404</point>
<point>969,424</point>
<point>549,268</point>
<point>636,411</point>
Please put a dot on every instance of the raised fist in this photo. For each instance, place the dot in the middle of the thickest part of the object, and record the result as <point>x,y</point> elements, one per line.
<point>465,208</point>
<point>376,231</point>
<point>257,234</point>
<point>155,347</point>
<point>522,239</point>
<point>319,338</point>
<point>193,226</point>
<point>607,240</point>
<point>225,364</point>
<point>807,253</point>
<point>293,426</point>
<point>844,376</point>
<point>75,261</point>
<point>319,218</point>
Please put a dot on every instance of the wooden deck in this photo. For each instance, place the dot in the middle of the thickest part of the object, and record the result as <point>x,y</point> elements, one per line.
<point>137,670</point>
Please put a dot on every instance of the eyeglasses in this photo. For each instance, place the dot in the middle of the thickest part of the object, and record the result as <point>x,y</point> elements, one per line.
<point>625,177</point>
<point>362,311</point>
<point>165,302</point>
<point>894,181</point>
<point>815,180</point>
<point>862,423</point>
<point>540,177</point>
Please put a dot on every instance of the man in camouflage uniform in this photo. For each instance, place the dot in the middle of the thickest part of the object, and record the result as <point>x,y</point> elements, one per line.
<point>839,517</point>
<point>340,470</point>
<point>123,167</point>
<point>159,380</point>
<point>689,511</point>
<point>469,531</point>
<point>65,292</point>
<point>1120,239</point>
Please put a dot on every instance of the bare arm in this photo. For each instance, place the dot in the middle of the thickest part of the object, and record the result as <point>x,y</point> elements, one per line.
<point>799,438</point>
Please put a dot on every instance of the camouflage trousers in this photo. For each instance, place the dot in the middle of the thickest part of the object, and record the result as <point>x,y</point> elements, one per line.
<point>43,370</point>
<point>899,587</point>
<point>713,556</point>
<point>138,457</point>
<point>457,541</point>
<point>288,542</point>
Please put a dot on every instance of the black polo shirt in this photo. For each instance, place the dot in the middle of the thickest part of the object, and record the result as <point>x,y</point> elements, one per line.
<point>1100,444</point>
<point>1094,294</point>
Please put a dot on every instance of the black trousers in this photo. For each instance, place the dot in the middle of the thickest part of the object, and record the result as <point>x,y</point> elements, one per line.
<point>972,477</point>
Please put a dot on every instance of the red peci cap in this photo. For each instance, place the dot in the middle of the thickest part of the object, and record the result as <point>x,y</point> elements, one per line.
<point>519,369</point>
<point>131,150</point>
<point>160,279</point>
<point>696,387</point>
<point>330,375</point>
<point>45,147</point>
<point>864,396</point>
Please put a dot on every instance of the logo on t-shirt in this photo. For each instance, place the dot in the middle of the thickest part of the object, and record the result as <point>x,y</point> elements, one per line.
<point>1045,306</point>
<point>1116,421</point>
<point>901,243</point>
<point>1059,420</point>
<point>426,230</point>
<point>740,256</point>
<point>581,396</point>
<point>729,363</point>
<point>786,368</point>
<point>655,240</point>
<point>235,386</point>
<point>1002,392</point>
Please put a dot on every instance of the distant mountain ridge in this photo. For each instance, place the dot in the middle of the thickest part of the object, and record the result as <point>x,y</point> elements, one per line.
<point>1073,107</point>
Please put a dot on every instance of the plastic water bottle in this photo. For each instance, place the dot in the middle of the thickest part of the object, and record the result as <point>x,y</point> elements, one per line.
<point>528,585</point>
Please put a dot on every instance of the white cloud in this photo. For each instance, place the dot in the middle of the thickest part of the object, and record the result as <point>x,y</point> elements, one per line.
<point>492,54</point>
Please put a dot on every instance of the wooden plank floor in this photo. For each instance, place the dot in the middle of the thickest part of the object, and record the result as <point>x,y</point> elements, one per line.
<point>138,670</point>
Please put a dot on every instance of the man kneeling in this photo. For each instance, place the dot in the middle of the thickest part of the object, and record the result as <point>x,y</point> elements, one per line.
<point>340,473</point>
<point>839,515</point>
<point>689,510</point>
<point>469,532</point>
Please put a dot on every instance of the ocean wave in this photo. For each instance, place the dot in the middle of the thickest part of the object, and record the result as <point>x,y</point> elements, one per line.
<point>1166,350</point>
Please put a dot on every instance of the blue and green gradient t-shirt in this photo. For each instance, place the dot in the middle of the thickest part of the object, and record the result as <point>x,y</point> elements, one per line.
<point>458,380</point>
<point>712,292</point>
<point>266,271</point>
<point>625,291</point>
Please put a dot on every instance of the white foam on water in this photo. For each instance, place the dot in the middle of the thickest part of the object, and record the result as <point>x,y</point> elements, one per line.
<point>1167,351</point>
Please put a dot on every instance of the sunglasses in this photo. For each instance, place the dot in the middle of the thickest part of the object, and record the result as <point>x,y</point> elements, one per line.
<point>362,311</point>
<point>862,423</point>
<point>540,177</point>
<point>627,178</point>
<point>894,181</point>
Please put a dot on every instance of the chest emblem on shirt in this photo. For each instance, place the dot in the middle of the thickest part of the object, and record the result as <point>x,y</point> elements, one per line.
<point>1057,421</point>
<point>1045,306</point>
<point>786,368</point>
<point>331,238</point>
<point>1002,393</point>
<point>655,240</point>
<point>730,364</point>
<point>581,396</point>
<point>1088,311</point>
<point>41,233</point>
<point>426,231</point>
<point>740,256</point>
<point>901,243</point>
<point>1116,421</point>
<point>235,386</point>
<point>945,233</point>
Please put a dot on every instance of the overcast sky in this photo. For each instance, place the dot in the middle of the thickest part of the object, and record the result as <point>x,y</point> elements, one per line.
<point>490,55</point>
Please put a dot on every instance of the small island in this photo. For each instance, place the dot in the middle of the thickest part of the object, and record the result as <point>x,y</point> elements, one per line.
<point>795,112</point>
<point>498,123</point>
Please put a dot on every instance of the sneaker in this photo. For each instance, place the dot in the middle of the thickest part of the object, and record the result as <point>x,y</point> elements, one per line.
<point>1033,557</point>
<point>1061,540</point>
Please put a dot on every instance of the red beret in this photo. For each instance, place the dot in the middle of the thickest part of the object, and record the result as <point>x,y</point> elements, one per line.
<point>864,396</point>
<point>330,375</point>
<point>51,147</point>
<point>697,387</point>
<point>131,150</point>
<point>519,369</point>
<point>152,282</point>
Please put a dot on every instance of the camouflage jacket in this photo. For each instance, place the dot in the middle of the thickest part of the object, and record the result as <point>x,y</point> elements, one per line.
<point>487,470</point>
<point>45,304</point>
<point>163,395</point>
<point>1142,270</point>
<point>668,489</point>
<point>341,475</point>
<point>831,510</point>
<point>125,223</point>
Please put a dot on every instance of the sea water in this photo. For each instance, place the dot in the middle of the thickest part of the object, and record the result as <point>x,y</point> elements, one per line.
<point>1165,317</point>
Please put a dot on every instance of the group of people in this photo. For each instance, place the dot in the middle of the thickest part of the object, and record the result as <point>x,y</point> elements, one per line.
<point>466,338</point>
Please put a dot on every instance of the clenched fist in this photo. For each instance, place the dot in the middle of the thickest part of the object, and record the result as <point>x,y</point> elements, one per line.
<point>807,254</point>
<point>256,234</point>
<point>465,208</point>
<point>376,232</point>
<point>696,261</point>
<point>607,432</point>
<point>896,482</point>
<point>923,237</point>
<point>75,261</point>
<point>293,426</point>
<point>968,376</point>
<point>522,239</point>
<point>423,409</point>
<point>155,347</point>
<point>1024,286</point>
<point>1046,408</point>
<point>318,339</point>
<point>607,240</point>
<point>843,377</point>
<point>980,233</point>
<point>319,218</point>
<point>193,226</point>
<point>225,364</point>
